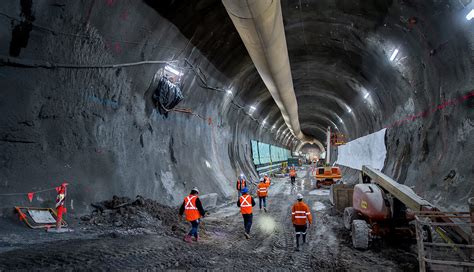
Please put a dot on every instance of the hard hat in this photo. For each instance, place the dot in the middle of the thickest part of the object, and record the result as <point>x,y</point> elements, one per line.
<point>266,175</point>
<point>245,190</point>
<point>262,179</point>
<point>196,189</point>
<point>65,184</point>
<point>242,175</point>
<point>299,196</point>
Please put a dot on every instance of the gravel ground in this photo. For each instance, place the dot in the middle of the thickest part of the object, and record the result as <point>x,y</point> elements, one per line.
<point>222,244</point>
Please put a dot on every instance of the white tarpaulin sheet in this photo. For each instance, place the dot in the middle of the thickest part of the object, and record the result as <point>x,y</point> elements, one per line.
<point>368,150</point>
<point>42,216</point>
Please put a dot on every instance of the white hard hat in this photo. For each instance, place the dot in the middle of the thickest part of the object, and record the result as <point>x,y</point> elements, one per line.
<point>299,196</point>
<point>196,189</point>
<point>241,175</point>
<point>262,179</point>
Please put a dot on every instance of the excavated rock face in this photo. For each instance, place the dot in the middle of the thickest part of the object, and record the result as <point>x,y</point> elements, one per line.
<point>97,128</point>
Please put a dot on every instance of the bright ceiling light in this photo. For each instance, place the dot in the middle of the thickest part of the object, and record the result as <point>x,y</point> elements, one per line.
<point>172,70</point>
<point>470,15</point>
<point>229,91</point>
<point>349,110</point>
<point>394,54</point>
<point>366,95</point>
<point>252,109</point>
<point>264,122</point>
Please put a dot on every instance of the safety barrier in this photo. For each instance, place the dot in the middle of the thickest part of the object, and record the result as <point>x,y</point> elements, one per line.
<point>436,250</point>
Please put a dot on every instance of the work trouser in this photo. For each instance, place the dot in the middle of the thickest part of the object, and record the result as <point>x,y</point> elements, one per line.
<point>300,230</point>
<point>293,180</point>
<point>194,228</point>
<point>247,222</point>
<point>264,200</point>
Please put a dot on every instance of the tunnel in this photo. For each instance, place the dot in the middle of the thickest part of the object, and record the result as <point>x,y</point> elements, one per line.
<point>78,106</point>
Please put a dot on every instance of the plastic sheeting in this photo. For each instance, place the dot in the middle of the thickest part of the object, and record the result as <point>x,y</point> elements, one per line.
<point>263,153</point>
<point>167,95</point>
<point>368,150</point>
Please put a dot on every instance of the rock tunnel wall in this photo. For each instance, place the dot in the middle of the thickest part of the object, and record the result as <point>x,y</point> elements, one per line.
<point>97,128</point>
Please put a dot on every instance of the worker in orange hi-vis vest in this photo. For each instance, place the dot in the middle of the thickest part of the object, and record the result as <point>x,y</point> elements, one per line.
<point>301,217</point>
<point>193,211</point>
<point>60,203</point>
<point>293,175</point>
<point>246,203</point>
<point>241,184</point>
<point>262,193</point>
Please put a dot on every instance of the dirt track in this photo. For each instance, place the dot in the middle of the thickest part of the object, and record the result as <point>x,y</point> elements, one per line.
<point>223,245</point>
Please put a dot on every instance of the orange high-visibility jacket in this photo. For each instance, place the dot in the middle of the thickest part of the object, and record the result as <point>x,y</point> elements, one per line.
<point>262,189</point>
<point>300,214</point>
<point>292,173</point>
<point>190,210</point>
<point>245,204</point>
<point>241,184</point>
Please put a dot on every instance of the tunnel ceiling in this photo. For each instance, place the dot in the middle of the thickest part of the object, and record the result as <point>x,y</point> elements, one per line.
<point>339,53</point>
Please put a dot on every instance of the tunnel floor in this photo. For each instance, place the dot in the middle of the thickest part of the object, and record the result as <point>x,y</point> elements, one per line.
<point>222,244</point>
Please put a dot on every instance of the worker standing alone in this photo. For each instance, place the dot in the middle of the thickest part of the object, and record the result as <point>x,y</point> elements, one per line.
<point>60,202</point>
<point>293,175</point>
<point>193,211</point>
<point>241,184</point>
<point>262,193</point>
<point>246,202</point>
<point>301,217</point>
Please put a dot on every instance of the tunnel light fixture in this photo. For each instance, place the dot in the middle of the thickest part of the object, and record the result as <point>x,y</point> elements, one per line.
<point>173,71</point>
<point>208,164</point>
<point>264,122</point>
<point>366,95</point>
<point>394,54</point>
<point>229,91</point>
<point>349,110</point>
<point>252,109</point>
<point>470,15</point>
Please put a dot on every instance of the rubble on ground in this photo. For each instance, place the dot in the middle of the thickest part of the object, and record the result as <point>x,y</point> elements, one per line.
<point>142,215</point>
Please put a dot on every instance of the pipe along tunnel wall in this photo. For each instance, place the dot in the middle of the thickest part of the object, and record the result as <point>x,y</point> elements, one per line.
<point>96,128</point>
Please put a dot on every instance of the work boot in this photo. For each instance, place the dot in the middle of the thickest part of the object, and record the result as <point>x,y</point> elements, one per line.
<point>265,209</point>
<point>196,238</point>
<point>187,238</point>
<point>247,235</point>
<point>297,248</point>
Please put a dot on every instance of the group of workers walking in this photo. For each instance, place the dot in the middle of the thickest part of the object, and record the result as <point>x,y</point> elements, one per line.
<point>300,213</point>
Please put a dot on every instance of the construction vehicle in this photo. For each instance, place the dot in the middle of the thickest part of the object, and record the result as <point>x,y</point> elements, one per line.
<point>327,175</point>
<point>382,206</point>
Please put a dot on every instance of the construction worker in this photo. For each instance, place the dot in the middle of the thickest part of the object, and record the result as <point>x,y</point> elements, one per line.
<point>60,203</point>
<point>193,211</point>
<point>241,184</point>
<point>267,180</point>
<point>246,203</point>
<point>301,217</point>
<point>293,175</point>
<point>262,192</point>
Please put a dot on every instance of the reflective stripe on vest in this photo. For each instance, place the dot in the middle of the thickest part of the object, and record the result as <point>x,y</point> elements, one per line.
<point>244,201</point>
<point>300,214</point>
<point>189,205</point>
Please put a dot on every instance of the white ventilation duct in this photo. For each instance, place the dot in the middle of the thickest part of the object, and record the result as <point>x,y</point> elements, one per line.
<point>260,26</point>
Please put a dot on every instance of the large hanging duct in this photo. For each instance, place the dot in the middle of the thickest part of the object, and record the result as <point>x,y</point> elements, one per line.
<point>260,26</point>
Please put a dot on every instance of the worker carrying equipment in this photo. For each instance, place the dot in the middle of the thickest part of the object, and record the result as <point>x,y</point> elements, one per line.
<point>60,203</point>
<point>292,175</point>
<point>246,203</point>
<point>193,211</point>
<point>241,184</point>
<point>262,193</point>
<point>300,216</point>
<point>267,179</point>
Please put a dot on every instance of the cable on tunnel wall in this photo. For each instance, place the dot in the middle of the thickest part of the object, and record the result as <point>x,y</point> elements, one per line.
<point>6,60</point>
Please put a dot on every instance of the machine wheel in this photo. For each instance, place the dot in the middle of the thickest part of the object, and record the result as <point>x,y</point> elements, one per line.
<point>360,234</point>
<point>350,214</point>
